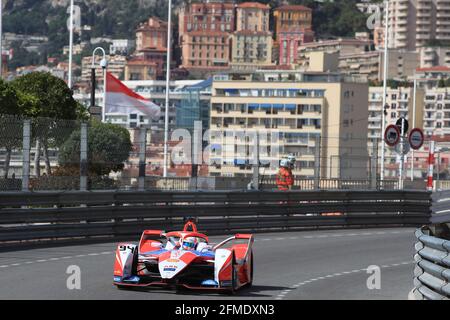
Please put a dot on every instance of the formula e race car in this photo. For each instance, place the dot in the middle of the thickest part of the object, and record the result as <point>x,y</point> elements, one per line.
<point>185,259</point>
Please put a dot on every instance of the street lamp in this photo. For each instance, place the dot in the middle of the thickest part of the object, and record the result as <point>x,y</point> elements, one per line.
<point>166,118</point>
<point>383,116</point>
<point>104,65</point>
<point>70,44</point>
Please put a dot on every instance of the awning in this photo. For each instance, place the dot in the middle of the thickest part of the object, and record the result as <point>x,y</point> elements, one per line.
<point>290,106</point>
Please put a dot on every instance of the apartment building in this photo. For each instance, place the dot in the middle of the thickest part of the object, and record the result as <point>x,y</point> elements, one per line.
<point>414,23</point>
<point>151,34</point>
<point>205,34</point>
<point>436,113</point>
<point>434,56</point>
<point>293,27</point>
<point>252,41</point>
<point>299,110</point>
<point>357,58</point>
<point>121,46</point>
<point>400,104</point>
<point>149,60</point>
<point>116,65</point>
<point>433,76</point>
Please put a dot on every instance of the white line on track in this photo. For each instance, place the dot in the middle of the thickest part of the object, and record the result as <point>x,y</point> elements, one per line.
<point>334,235</point>
<point>296,286</point>
<point>56,259</point>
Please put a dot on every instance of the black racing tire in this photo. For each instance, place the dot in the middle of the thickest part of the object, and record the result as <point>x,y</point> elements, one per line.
<point>233,274</point>
<point>250,282</point>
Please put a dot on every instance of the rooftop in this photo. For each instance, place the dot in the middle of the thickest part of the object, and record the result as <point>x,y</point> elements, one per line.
<point>293,8</point>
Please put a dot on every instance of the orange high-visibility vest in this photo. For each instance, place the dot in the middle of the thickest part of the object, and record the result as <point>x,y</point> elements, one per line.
<point>284,179</point>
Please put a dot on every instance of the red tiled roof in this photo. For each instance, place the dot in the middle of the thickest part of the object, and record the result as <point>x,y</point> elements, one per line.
<point>254,5</point>
<point>293,8</point>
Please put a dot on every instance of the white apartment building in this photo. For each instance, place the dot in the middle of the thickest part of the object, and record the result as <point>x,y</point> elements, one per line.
<point>413,23</point>
<point>436,113</point>
<point>400,104</point>
<point>434,56</point>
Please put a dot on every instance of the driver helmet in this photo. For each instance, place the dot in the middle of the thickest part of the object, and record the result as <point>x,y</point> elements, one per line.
<point>284,163</point>
<point>189,243</point>
<point>291,159</point>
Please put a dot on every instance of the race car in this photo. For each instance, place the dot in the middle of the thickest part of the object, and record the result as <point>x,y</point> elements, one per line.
<point>185,259</point>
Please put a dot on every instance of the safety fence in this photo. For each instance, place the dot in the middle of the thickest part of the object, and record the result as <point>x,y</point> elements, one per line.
<point>432,271</point>
<point>43,154</point>
<point>50,216</point>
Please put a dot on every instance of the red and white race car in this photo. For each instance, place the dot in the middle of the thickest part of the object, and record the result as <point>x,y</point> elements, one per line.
<point>185,259</point>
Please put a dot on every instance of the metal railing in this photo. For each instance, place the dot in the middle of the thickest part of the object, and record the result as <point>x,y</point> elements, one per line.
<point>32,216</point>
<point>432,271</point>
<point>441,207</point>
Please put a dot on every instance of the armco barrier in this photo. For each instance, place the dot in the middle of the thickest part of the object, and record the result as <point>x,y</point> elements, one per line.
<point>432,271</point>
<point>61,215</point>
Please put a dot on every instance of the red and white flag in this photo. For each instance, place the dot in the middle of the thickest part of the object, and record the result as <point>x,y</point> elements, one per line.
<point>121,99</point>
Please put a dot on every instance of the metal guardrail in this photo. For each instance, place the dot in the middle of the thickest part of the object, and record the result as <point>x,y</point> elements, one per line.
<point>432,271</point>
<point>62,215</point>
<point>441,207</point>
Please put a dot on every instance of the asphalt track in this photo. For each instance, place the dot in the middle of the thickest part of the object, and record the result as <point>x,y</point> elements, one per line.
<point>292,265</point>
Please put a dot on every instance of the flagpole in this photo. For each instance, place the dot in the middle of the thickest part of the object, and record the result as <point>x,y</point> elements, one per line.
<point>166,119</point>
<point>70,44</point>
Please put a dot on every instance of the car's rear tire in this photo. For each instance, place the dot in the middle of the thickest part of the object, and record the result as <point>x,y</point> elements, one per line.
<point>250,282</point>
<point>233,274</point>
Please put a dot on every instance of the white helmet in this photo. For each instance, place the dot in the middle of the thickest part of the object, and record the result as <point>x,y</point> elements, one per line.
<point>291,159</point>
<point>284,163</point>
<point>189,243</point>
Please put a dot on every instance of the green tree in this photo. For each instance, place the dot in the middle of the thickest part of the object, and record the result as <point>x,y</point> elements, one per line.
<point>109,147</point>
<point>10,124</point>
<point>49,103</point>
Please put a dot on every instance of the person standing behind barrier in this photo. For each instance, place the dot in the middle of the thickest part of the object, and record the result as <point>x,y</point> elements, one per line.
<point>284,178</point>
<point>291,160</point>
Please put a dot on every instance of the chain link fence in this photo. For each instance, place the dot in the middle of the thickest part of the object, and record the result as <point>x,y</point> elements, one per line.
<point>42,154</point>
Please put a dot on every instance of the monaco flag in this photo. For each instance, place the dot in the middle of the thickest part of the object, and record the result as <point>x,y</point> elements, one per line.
<point>120,99</point>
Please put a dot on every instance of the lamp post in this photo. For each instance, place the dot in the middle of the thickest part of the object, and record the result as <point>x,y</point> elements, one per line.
<point>413,124</point>
<point>104,65</point>
<point>386,58</point>
<point>166,118</point>
<point>70,44</point>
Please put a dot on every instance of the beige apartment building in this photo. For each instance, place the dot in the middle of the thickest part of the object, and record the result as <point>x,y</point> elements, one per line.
<point>252,41</point>
<point>116,65</point>
<point>301,110</point>
<point>413,23</point>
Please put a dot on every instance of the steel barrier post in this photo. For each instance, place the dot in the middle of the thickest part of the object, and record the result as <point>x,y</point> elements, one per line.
<point>83,156</point>
<point>26,146</point>
<point>373,165</point>
<point>317,164</point>
<point>430,166</point>
<point>142,150</point>
<point>256,162</point>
